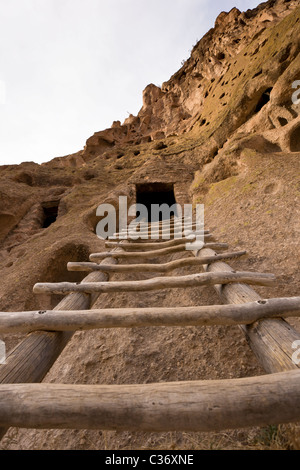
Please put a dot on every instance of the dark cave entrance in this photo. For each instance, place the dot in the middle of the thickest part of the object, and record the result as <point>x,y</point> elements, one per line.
<point>264,99</point>
<point>156,193</point>
<point>50,212</point>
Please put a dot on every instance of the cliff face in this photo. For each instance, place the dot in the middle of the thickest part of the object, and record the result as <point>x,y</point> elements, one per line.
<point>185,101</point>
<point>225,131</point>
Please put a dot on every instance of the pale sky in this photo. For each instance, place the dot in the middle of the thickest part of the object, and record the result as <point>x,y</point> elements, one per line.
<point>69,68</point>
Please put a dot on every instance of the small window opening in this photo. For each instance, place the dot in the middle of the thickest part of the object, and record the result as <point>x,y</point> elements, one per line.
<point>264,99</point>
<point>220,55</point>
<point>50,210</point>
<point>156,193</point>
<point>282,121</point>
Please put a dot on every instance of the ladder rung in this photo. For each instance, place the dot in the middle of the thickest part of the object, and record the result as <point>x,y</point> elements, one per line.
<point>202,405</point>
<point>164,282</point>
<point>149,267</point>
<point>173,220</point>
<point>71,320</point>
<point>155,244</point>
<point>166,231</point>
<point>154,253</point>
<point>163,228</point>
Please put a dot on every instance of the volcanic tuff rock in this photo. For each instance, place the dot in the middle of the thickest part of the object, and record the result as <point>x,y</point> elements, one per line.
<point>181,102</point>
<point>225,132</point>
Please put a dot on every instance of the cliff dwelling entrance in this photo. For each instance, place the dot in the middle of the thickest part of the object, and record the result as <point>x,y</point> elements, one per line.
<point>264,99</point>
<point>155,193</point>
<point>50,210</point>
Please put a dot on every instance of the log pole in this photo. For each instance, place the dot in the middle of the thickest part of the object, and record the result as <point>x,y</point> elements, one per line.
<point>163,282</point>
<point>72,320</point>
<point>33,357</point>
<point>151,267</point>
<point>208,405</point>
<point>271,340</point>
<point>155,245</point>
<point>153,253</point>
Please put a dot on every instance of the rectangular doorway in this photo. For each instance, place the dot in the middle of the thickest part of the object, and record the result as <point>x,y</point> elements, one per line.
<point>156,193</point>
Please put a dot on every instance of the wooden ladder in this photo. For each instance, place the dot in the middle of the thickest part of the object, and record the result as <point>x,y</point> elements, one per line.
<point>206,405</point>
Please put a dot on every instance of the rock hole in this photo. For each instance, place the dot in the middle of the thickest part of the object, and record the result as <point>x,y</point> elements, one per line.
<point>282,121</point>
<point>263,100</point>
<point>50,212</point>
<point>89,175</point>
<point>23,177</point>
<point>257,73</point>
<point>284,54</point>
<point>160,146</point>
<point>220,56</point>
<point>150,194</point>
<point>255,51</point>
<point>270,188</point>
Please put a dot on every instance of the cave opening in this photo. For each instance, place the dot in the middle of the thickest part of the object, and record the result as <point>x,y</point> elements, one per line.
<point>50,212</point>
<point>282,121</point>
<point>263,100</point>
<point>150,194</point>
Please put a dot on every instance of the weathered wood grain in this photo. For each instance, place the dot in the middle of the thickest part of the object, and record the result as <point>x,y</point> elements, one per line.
<point>153,253</point>
<point>155,245</point>
<point>209,405</point>
<point>33,357</point>
<point>72,320</point>
<point>271,340</point>
<point>151,267</point>
<point>163,282</point>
